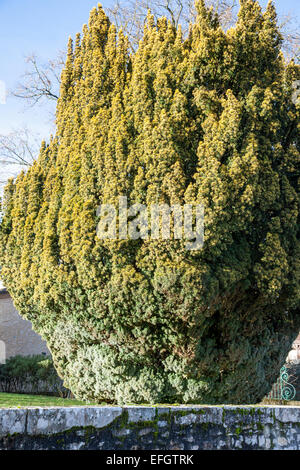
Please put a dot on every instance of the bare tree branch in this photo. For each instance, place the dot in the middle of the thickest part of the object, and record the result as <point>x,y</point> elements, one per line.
<point>19,147</point>
<point>290,28</point>
<point>130,15</point>
<point>41,80</point>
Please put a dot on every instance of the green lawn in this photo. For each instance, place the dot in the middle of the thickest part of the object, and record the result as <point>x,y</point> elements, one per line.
<point>9,400</point>
<point>12,400</point>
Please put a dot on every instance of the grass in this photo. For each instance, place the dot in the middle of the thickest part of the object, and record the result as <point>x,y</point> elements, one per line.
<point>13,400</point>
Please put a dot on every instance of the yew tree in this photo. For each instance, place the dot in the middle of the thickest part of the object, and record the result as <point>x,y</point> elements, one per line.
<point>211,119</point>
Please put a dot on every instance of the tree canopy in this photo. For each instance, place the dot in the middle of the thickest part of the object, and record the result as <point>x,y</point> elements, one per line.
<point>208,119</point>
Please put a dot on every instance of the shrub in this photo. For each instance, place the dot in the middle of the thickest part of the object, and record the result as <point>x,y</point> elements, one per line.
<point>209,119</point>
<point>30,374</point>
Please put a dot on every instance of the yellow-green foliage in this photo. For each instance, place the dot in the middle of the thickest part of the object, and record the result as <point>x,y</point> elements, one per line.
<point>207,119</point>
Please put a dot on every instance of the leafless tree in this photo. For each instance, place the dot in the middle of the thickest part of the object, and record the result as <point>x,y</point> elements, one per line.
<point>39,84</point>
<point>130,15</point>
<point>17,152</point>
<point>19,147</point>
<point>41,80</point>
<point>289,26</point>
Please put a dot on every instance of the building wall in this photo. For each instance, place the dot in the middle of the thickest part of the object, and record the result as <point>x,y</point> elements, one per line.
<point>16,334</point>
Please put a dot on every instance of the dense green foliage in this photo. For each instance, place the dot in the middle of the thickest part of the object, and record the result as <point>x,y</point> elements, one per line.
<point>34,374</point>
<point>207,119</point>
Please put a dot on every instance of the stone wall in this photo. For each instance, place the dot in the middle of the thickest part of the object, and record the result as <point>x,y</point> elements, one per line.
<point>151,428</point>
<point>16,334</point>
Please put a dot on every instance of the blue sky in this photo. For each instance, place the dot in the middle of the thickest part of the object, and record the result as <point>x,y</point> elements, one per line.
<point>43,27</point>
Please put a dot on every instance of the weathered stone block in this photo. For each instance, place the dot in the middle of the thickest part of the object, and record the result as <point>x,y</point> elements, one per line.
<point>12,421</point>
<point>138,414</point>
